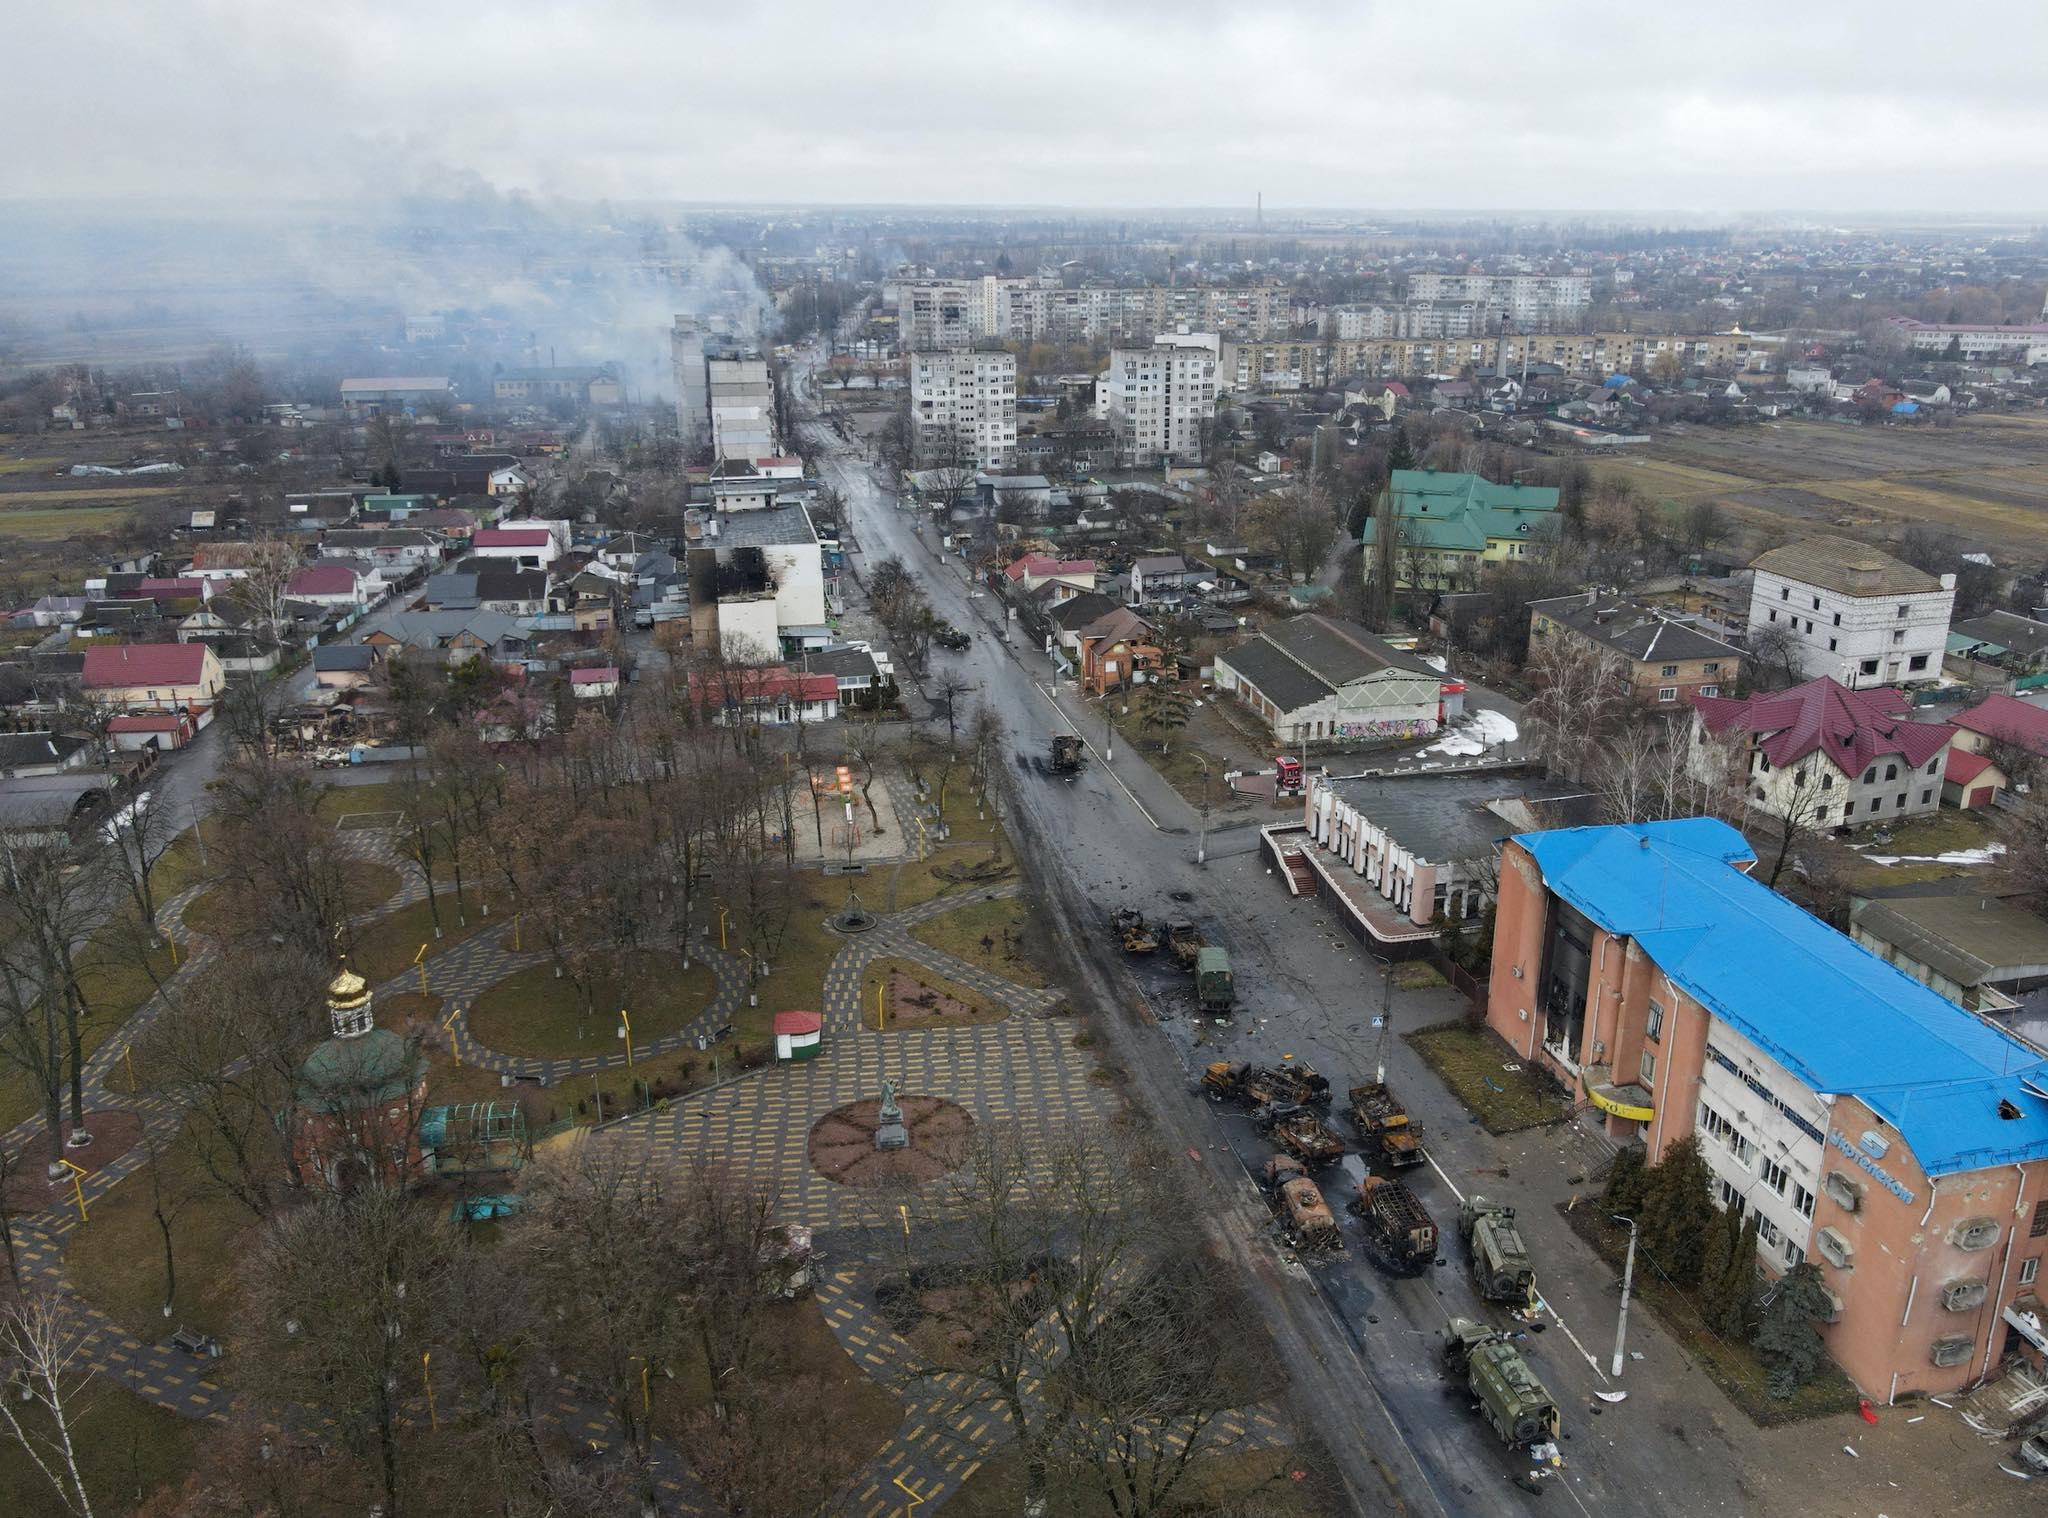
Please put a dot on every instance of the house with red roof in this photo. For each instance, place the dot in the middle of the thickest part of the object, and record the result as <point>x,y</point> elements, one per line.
<point>2003,721</point>
<point>770,693</point>
<point>152,677</point>
<point>529,545</point>
<point>594,682</point>
<point>1068,577</point>
<point>131,732</point>
<point>1970,781</point>
<point>330,583</point>
<point>1823,755</point>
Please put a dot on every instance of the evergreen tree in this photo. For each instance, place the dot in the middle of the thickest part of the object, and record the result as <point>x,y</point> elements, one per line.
<point>1786,1338</point>
<point>1678,1209</point>
<point>1162,709</point>
<point>1716,1250</point>
<point>1737,1297</point>
<point>1626,1180</point>
<point>1400,452</point>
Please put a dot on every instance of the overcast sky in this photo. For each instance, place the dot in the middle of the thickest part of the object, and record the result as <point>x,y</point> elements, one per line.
<point>1882,104</point>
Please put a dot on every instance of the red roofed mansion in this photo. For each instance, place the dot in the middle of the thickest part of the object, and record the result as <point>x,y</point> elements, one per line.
<point>1824,755</point>
<point>152,677</point>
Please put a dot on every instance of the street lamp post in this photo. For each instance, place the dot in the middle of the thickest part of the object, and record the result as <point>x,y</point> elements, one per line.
<point>1386,1017</point>
<point>1628,1276</point>
<point>1202,843</point>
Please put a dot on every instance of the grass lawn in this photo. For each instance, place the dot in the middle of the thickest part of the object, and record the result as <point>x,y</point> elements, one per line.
<point>116,1259</point>
<point>128,1449</point>
<point>366,886</point>
<point>533,1013</point>
<point>878,974</point>
<point>115,982</point>
<point>1418,975</point>
<point>386,946</point>
<point>1470,1061</point>
<point>1258,1482</point>
<point>1734,1367</point>
<point>987,934</point>
<point>337,800</point>
<point>1181,766</point>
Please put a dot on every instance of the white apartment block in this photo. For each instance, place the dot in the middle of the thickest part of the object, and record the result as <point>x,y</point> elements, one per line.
<point>693,398</point>
<point>1160,399</point>
<point>1979,344</point>
<point>1527,299</point>
<point>741,407</point>
<point>963,408</point>
<point>939,315</point>
<point>1854,613</point>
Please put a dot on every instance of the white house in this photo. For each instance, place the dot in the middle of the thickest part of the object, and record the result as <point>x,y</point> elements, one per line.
<point>1853,612</point>
<point>509,480</point>
<point>329,583</point>
<point>1823,755</point>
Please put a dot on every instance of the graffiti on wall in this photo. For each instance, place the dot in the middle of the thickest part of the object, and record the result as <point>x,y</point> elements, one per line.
<point>1383,731</point>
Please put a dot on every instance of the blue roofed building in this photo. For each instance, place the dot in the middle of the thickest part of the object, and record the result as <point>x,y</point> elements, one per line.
<point>1892,1137</point>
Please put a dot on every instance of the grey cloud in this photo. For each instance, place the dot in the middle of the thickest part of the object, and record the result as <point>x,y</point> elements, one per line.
<point>1881,105</point>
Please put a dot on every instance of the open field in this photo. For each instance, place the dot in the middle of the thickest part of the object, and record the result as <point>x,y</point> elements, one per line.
<point>55,526</point>
<point>1984,478</point>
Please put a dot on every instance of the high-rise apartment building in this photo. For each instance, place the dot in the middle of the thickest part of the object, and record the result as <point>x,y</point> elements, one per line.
<point>740,400</point>
<point>1529,300</point>
<point>941,315</point>
<point>1160,399</point>
<point>963,408</point>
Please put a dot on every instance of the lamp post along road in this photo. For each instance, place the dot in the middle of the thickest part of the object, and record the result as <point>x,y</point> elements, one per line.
<point>1628,1276</point>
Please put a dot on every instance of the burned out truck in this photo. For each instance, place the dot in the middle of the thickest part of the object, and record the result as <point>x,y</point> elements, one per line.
<point>1128,923</point>
<point>1067,754</point>
<point>1517,1405</point>
<point>1300,1132</point>
<point>1384,1125</point>
<point>1500,1262</point>
<point>1399,1232</point>
<point>1309,1220</point>
<point>1261,1085</point>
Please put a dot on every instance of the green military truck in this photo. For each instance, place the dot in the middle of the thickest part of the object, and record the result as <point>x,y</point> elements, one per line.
<point>1510,1397</point>
<point>1500,1262</point>
<point>1215,987</point>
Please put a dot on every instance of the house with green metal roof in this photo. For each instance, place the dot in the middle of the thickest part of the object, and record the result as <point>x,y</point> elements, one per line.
<point>1447,525</point>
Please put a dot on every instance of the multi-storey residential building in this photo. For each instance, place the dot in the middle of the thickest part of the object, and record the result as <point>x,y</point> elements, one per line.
<point>1160,399</point>
<point>740,395</point>
<point>1891,1137</point>
<point>963,408</point>
<point>693,396</point>
<point>1250,365</point>
<point>1661,661</point>
<point>1822,755</point>
<point>1852,611</point>
<point>1979,343</point>
<point>1528,299</point>
<point>938,315</point>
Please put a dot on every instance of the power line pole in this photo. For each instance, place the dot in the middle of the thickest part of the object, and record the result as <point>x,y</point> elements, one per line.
<point>1628,1276</point>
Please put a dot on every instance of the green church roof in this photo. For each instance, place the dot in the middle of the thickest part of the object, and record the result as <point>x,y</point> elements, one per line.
<point>1463,511</point>
<point>378,1066</point>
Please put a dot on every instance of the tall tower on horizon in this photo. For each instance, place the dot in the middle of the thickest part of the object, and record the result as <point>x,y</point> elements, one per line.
<point>1259,225</point>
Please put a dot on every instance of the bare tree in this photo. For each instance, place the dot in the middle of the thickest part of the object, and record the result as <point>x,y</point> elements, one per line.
<point>1047,1279</point>
<point>1774,656</point>
<point>52,899</point>
<point>44,1343</point>
<point>1580,693</point>
<point>345,1298</point>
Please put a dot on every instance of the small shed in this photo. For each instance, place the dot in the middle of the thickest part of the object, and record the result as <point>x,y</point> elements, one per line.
<point>797,1035</point>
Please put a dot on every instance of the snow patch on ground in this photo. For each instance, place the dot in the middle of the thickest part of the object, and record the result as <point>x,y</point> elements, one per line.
<point>1480,731</point>
<point>1437,662</point>
<point>1985,855</point>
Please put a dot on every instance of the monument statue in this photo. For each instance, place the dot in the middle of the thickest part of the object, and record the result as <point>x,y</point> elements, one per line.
<point>889,1130</point>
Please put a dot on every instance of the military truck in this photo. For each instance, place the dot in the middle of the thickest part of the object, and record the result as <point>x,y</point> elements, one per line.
<point>1186,942</point>
<point>1400,1232</point>
<point>1066,754</point>
<point>1215,986</point>
<point>1263,1084</point>
<point>1510,1397</point>
<point>1383,1123</point>
<point>1301,1203</point>
<point>1300,1132</point>
<point>1500,1264</point>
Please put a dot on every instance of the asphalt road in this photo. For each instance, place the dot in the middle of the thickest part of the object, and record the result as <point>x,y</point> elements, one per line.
<point>1360,1347</point>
